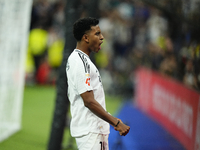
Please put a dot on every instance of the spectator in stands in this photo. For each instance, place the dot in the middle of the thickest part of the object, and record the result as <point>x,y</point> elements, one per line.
<point>189,78</point>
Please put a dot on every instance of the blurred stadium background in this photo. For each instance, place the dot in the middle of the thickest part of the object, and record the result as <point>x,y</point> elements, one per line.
<point>160,36</point>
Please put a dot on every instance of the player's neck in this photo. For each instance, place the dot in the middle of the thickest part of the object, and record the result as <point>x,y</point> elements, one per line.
<point>83,48</point>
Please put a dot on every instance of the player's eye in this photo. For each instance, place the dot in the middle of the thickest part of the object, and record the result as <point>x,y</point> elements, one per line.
<point>98,33</point>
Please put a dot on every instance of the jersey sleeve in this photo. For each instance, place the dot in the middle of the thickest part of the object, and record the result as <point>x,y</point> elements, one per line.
<point>82,76</point>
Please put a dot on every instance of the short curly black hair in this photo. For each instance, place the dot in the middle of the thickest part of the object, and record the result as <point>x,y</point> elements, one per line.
<point>82,25</point>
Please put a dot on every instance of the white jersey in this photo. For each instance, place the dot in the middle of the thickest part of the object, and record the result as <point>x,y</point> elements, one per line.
<point>83,76</point>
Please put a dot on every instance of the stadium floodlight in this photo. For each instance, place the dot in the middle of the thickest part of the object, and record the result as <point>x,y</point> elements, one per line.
<point>14,30</point>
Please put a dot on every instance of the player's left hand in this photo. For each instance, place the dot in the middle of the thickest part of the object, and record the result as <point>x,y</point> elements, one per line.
<point>122,128</point>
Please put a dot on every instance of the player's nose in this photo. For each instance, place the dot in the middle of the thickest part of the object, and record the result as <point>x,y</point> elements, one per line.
<point>101,37</point>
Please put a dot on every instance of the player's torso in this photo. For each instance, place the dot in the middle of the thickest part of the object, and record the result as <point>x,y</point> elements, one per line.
<point>86,66</point>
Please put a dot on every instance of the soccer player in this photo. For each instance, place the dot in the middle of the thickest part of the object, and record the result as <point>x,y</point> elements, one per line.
<point>90,120</point>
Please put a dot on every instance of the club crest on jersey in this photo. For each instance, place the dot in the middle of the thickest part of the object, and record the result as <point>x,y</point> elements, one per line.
<point>98,75</point>
<point>86,65</point>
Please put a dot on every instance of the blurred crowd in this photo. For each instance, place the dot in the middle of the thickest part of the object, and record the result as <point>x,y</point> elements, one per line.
<point>135,34</point>
<point>46,41</point>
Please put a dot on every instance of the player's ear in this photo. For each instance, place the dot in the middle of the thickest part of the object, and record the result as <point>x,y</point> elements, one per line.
<point>86,38</point>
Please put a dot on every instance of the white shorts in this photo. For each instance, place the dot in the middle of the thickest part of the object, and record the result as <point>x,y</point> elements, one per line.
<point>92,141</point>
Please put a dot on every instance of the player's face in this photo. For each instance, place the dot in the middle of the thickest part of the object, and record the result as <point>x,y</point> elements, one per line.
<point>95,39</point>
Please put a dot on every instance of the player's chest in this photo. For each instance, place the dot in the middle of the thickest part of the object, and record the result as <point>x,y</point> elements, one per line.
<point>95,77</point>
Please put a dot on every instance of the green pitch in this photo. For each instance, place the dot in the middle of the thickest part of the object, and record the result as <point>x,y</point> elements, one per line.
<point>38,107</point>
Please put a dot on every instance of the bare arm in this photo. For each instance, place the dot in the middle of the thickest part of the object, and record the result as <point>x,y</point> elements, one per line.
<point>97,109</point>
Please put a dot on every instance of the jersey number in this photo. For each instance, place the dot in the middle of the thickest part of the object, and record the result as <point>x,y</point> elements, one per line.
<point>101,145</point>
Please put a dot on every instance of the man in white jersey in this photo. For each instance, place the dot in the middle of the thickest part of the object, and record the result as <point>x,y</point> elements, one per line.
<point>90,120</point>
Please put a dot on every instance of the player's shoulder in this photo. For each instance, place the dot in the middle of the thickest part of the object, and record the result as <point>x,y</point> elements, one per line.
<point>78,57</point>
<point>73,57</point>
<point>78,54</point>
<point>81,56</point>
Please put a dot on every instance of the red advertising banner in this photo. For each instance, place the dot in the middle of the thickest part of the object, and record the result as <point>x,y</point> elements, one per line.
<point>174,106</point>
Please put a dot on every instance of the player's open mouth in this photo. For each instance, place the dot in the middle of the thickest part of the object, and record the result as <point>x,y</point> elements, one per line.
<point>100,45</point>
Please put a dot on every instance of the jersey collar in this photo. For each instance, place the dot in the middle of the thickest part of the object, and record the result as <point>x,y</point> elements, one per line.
<point>79,51</point>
